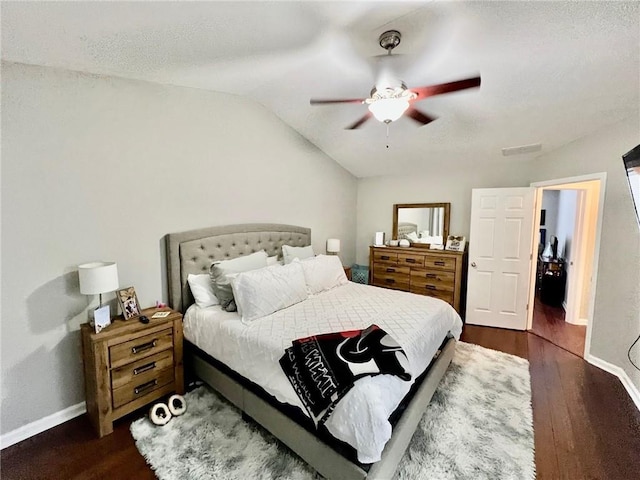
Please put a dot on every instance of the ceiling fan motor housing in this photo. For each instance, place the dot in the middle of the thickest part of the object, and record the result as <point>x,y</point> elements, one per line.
<point>390,40</point>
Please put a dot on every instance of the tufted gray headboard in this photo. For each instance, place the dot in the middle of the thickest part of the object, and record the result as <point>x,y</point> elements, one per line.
<point>195,250</point>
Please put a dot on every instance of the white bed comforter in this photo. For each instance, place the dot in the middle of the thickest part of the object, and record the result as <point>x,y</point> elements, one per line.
<point>360,419</point>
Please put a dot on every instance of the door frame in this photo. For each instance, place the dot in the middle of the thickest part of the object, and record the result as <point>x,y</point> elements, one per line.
<point>570,183</point>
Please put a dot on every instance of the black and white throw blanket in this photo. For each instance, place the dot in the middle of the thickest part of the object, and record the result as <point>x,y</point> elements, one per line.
<point>322,368</point>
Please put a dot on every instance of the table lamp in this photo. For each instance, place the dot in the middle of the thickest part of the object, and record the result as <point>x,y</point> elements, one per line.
<point>98,278</point>
<point>333,246</point>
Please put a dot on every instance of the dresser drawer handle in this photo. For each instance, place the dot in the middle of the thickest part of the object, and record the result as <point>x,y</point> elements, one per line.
<point>145,386</point>
<point>439,263</point>
<point>430,287</point>
<point>144,368</point>
<point>389,280</point>
<point>410,260</point>
<point>144,346</point>
<point>384,257</point>
<point>391,270</point>
<point>431,275</point>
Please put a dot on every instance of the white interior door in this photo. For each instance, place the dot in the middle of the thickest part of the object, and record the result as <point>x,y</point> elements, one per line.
<point>500,243</point>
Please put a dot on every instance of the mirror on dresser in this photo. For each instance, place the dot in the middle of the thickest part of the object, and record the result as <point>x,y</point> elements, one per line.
<point>421,223</point>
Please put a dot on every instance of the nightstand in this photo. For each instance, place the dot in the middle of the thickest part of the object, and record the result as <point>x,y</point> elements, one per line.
<point>347,272</point>
<point>130,364</point>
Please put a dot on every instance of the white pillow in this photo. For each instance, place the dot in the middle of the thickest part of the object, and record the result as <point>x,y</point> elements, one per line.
<point>262,292</point>
<point>273,261</point>
<point>323,272</point>
<point>202,290</point>
<point>220,271</point>
<point>289,253</point>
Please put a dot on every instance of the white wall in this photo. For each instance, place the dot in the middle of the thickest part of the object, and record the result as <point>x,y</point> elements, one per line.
<point>102,168</point>
<point>566,222</point>
<point>550,205</point>
<point>446,183</point>
<point>616,320</point>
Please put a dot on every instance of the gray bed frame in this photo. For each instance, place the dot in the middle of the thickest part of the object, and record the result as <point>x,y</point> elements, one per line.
<point>193,252</point>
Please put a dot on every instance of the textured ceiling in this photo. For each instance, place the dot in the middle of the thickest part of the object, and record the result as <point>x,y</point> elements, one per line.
<point>551,71</point>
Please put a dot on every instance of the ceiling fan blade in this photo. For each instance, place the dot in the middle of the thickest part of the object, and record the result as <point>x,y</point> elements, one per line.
<point>366,117</point>
<point>418,116</point>
<point>315,101</point>
<point>430,91</point>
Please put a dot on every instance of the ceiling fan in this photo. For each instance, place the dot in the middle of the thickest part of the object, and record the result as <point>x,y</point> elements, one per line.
<point>390,98</point>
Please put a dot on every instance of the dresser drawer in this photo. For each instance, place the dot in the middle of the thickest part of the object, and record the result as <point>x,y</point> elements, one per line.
<point>386,269</point>
<point>141,347</point>
<point>441,280</point>
<point>139,387</point>
<point>397,281</point>
<point>411,259</point>
<point>141,370</point>
<point>446,296</point>
<point>440,263</point>
<point>385,257</point>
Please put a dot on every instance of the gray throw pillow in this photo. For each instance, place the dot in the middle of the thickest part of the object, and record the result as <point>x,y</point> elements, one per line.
<point>221,275</point>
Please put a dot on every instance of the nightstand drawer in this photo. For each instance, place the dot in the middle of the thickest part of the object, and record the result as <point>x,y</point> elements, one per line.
<point>139,387</point>
<point>140,347</point>
<point>141,370</point>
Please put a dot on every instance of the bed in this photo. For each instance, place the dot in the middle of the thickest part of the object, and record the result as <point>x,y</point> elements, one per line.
<point>193,252</point>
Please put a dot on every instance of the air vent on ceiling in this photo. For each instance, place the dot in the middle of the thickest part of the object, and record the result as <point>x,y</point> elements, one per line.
<point>534,147</point>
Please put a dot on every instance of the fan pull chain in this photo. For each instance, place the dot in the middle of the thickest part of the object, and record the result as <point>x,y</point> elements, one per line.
<point>388,134</point>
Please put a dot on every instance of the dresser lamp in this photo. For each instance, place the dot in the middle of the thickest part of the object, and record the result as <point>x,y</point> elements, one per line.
<point>333,246</point>
<point>97,278</point>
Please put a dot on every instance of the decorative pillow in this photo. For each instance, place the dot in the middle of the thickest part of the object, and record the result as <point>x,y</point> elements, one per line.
<point>289,253</point>
<point>220,272</point>
<point>202,290</point>
<point>262,292</point>
<point>323,272</point>
<point>273,261</point>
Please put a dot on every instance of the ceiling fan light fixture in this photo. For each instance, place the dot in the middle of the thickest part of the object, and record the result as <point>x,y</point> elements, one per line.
<point>388,109</point>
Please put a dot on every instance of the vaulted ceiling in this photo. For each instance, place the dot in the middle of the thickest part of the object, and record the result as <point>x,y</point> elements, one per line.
<point>551,71</point>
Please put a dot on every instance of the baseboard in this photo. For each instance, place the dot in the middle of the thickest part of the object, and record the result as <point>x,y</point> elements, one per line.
<point>580,321</point>
<point>39,426</point>
<point>633,391</point>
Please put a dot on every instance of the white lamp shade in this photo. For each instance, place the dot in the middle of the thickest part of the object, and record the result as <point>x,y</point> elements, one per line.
<point>333,245</point>
<point>98,277</point>
<point>388,109</point>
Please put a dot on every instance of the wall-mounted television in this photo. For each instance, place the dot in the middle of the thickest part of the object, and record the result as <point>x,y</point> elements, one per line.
<point>631,161</point>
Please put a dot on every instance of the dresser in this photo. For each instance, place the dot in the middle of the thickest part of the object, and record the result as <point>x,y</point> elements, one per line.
<point>436,273</point>
<point>130,364</point>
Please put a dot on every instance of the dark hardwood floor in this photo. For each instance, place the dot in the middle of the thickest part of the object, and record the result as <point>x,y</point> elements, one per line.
<point>586,426</point>
<point>548,323</point>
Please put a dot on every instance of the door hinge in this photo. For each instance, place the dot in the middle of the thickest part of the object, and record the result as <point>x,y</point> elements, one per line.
<point>531,256</point>
<point>527,306</point>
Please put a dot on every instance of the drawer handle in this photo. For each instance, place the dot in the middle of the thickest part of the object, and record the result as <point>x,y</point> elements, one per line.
<point>384,257</point>
<point>439,263</point>
<point>391,270</point>
<point>389,280</point>
<point>430,287</point>
<point>145,386</point>
<point>144,346</point>
<point>144,368</point>
<point>410,260</point>
<point>431,275</point>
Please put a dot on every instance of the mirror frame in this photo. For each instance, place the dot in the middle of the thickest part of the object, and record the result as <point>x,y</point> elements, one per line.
<point>445,224</point>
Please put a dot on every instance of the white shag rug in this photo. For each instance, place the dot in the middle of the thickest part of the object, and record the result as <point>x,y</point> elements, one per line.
<point>478,426</point>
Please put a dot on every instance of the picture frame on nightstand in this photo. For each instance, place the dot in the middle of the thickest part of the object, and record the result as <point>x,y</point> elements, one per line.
<point>128,301</point>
